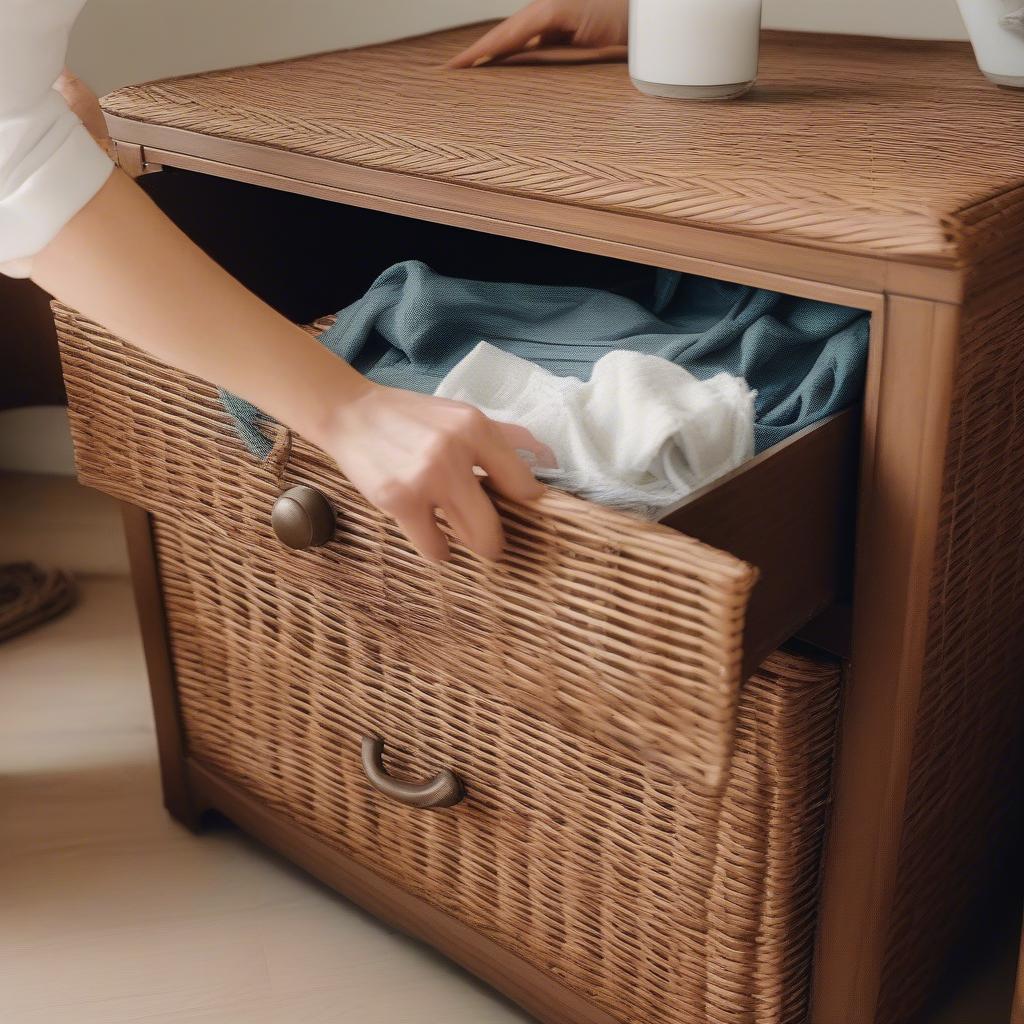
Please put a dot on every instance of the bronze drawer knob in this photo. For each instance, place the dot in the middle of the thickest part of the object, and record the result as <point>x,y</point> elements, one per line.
<point>443,790</point>
<point>302,518</point>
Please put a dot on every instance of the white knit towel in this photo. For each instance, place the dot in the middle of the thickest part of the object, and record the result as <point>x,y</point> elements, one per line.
<point>639,436</point>
<point>1014,20</point>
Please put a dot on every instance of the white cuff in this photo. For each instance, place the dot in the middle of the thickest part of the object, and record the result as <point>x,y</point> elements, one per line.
<point>33,214</point>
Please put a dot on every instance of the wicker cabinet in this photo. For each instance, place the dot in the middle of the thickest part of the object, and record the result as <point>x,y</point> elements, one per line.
<point>604,774</point>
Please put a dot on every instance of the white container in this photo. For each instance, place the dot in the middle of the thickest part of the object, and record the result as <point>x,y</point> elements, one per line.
<point>696,49</point>
<point>997,37</point>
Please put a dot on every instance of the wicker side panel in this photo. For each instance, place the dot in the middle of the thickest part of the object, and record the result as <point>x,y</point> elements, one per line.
<point>661,901</point>
<point>618,630</point>
<point>963,802</point>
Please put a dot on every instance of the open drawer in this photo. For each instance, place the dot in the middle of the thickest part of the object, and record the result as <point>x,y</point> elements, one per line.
<point>634,634</point>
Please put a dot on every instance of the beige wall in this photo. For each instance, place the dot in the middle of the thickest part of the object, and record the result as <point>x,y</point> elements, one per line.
<point>913,19</point>
<point>121,41</point>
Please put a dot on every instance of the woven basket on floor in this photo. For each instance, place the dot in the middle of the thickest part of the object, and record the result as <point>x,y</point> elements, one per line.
<point>30,596</point>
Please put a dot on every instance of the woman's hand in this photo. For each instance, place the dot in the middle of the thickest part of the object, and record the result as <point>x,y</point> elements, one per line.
<point>85,106</point>
<point>554,32</point>
<point>410,454</point>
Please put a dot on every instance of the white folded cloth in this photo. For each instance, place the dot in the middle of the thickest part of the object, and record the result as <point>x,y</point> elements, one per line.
<point>640,435</point>
<point>1014,20</point>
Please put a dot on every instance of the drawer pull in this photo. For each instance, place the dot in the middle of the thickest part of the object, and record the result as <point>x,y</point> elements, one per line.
<point>443,790</point>
<point>302,518</point>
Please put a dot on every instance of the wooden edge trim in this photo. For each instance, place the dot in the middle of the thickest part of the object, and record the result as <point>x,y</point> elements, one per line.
<point>760,261</point>
<point>897,533</point>
<point>556,236</point>
<point>532,989</point>
<point>839,424</point>
<point>153,626</point>
<point>814,474</point>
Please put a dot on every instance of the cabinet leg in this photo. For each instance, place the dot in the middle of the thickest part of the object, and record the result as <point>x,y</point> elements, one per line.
<point>178,798</point>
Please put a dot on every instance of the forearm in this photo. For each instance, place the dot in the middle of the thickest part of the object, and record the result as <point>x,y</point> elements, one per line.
<point>94,240</point>
<point>166,296</point>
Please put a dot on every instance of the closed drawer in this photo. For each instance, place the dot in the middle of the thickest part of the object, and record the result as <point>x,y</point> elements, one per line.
<point>658,899</point>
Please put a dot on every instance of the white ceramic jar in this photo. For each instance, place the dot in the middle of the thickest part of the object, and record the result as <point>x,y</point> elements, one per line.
<point>996,28</point>
<point>696,49</point>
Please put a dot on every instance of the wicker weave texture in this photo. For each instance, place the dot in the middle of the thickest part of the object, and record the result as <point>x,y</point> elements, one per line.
<point>963,802</point>
<point>582,846</point>
<point>615,629</point>
<point>662,902</point>
<point>920,157</point>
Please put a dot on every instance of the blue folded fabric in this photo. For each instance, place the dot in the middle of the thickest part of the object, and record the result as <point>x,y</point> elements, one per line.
<point>806,359</point>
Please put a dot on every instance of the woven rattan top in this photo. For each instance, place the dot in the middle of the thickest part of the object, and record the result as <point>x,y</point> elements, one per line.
<point>868,146</point>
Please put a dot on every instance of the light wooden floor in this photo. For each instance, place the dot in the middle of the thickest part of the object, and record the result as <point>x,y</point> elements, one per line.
<point>112,914</point>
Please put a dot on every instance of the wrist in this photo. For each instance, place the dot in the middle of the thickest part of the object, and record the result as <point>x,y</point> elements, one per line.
<point>327,412</point>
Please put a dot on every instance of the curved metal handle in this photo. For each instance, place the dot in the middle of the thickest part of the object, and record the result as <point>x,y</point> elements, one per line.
<point>443,790</point>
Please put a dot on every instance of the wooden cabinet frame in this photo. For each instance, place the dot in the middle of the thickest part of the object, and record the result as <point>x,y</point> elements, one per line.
<point>921,314</point>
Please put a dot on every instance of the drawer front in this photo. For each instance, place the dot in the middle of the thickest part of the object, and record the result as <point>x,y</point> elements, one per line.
<point>658,899</point>
<point>616,630</point>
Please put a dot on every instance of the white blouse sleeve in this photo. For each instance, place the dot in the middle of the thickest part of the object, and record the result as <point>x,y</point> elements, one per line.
<point>50,167</point>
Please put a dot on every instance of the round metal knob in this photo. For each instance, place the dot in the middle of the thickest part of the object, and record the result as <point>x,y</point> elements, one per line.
<point>302,518</point>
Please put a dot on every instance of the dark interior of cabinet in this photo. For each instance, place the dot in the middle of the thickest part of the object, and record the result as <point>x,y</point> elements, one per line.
<point>307,257</point>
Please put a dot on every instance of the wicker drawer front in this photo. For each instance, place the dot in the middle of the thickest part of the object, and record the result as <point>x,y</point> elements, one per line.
<point>614,629</point>
<point>661,901</point>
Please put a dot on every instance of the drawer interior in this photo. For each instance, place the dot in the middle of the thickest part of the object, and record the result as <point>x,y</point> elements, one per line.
<point>789,511</point>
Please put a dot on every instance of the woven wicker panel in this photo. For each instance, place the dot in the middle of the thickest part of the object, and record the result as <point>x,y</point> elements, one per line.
<point>860,145</point>
<point>591,842</point>
<point>660,901</point>
<point>616,629</point>
<point>963,802</point>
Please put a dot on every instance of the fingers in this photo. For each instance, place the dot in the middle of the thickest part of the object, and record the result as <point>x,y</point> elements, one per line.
<point>523,30</point>
<point>412,455</point>
<point>84,104</point>
<point>521,440</point>
<point>466,505</point>
<point>569,55</point>
<point>474,519</point>
<point>418,524</point>
<point>508,473</point>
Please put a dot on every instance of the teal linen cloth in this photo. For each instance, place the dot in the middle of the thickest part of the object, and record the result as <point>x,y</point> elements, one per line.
<point>806,359</point>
